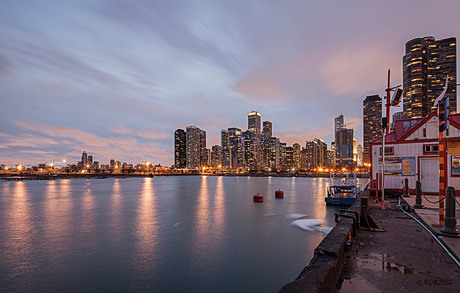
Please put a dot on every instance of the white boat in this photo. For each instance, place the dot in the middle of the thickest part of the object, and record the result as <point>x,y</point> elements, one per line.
<point>342,191</point>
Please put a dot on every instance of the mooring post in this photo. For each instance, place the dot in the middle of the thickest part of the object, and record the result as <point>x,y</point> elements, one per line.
<point>377,177</point>
<point>418,196</point>
<point>364,205</point>
<point>365,221</point>
<point>406,188</point>
<point>450,222</point>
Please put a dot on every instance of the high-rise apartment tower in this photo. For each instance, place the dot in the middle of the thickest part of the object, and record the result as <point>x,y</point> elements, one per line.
<point>254,126</point>
<point>179,149</point>
<point>426,65</point>
<point>266,135</point>
<point>204,157</point>
<point>372,123</point>
<point>193,147</point>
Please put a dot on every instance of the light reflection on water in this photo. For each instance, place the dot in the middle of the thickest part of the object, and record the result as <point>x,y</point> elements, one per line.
<point>115,212</point>
<point>174,234</point>
<point>146,240</point>
<point>19,236</point>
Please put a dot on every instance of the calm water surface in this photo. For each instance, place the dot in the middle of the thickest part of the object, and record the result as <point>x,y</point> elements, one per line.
<point>162,234</point>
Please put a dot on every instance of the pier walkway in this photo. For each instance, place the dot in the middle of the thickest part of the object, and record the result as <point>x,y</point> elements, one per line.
<point>405,258</point>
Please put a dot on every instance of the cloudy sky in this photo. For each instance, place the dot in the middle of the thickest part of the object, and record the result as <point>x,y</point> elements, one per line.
<point>116,78</point>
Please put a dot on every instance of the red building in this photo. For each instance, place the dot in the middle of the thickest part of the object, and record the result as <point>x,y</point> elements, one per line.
<point>412,152</point>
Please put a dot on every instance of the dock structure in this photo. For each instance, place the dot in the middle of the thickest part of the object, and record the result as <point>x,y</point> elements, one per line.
<point>404,254</point>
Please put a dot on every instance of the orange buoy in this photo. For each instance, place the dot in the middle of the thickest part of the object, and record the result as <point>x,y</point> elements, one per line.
<point>279,194</point>
<point>258,198</point>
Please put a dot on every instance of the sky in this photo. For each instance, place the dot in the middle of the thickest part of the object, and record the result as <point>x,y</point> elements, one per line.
<point>116,78</point>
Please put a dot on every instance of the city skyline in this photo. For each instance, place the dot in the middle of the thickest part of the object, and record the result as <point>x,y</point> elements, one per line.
<point>255,149</point>
<point>116,80</point>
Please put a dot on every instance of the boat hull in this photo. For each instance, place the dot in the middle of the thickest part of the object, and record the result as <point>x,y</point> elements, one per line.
<point>340,201</point>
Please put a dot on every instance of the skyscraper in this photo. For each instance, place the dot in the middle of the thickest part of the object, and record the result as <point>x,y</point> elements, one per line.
<point>203,150</point>
<point>267,132</point>
<point>266,135</point>
<point>303,159</point>
<point>296,149</point>
<point>359,159</point>
<point>237,147</point>
<point>225,144</point>
<point>254,125</point>
<point>274,153</point>
<point>282,156</point>
<point>338,125</point>
<point>311,154</point>
<point>89,163</point>
<point>344,146</point>
<point>289,159</point>
<point>330,158</point>
<point>216,156</point>
<point>84,160</point>
<point>372,123</point>
<point>193,147</point>
<point>316,154</point>
<point>179,149</point>
<point>254,121</point>
<point>425,66</point>
<point>248,137</point>
<point>338,122</point>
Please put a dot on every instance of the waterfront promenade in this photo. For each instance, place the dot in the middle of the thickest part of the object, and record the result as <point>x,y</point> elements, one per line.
<point>102,175</point>
<point>405,258</point>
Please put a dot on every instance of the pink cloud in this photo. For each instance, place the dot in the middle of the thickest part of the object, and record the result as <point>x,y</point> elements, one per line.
<point>148,134</point>
<point>54,89</point>
<point>60,131</point>
<point>259,86</point>
<point>37,152</point>
<point>126,148</point>
<point>26,140</point>
<point>213,123</point>
<point>300,137</point>
<point>158,110</point>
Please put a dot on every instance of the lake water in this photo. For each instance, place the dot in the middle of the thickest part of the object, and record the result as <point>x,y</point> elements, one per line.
<point>162,234</point>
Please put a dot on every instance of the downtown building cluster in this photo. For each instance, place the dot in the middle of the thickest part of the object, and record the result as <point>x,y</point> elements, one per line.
<point>256,149</point>
<point>86,164</point>
<point>426,65</point>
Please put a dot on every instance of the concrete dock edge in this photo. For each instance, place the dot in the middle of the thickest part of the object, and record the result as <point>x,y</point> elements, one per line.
<point>323,271</point>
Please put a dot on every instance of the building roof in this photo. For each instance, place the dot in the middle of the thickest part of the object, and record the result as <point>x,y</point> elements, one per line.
<point>405,127</point>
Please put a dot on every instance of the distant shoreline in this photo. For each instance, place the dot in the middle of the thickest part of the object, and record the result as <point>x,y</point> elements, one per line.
<point>16,177</point>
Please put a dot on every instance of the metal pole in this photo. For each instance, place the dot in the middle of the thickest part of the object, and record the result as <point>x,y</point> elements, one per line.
<point>388,90</point>
<point>442,189</point>
<point>383,168</point>
<point>385,130</point>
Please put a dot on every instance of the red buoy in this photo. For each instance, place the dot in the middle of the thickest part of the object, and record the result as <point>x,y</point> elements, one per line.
<point>279,194</point>
<point>258,198</point>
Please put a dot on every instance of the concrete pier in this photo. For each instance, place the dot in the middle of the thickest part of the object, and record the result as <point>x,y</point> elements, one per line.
<point>405,258</point>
